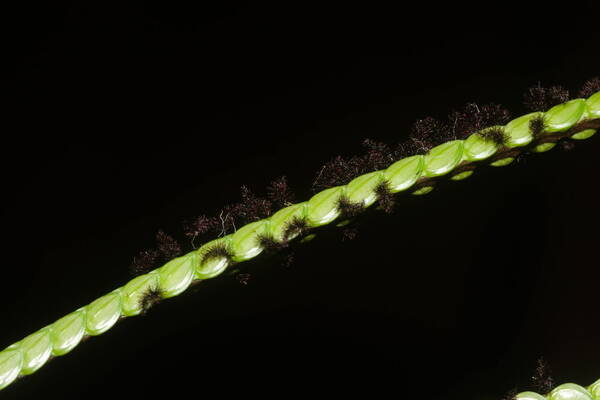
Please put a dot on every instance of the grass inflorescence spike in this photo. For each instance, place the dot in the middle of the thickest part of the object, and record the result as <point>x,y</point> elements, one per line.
<point>436,151</point>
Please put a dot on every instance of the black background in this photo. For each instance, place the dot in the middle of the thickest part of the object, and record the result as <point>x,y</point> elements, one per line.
<point>122,119</point>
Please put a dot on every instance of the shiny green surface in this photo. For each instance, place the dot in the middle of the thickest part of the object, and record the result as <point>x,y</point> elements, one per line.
<point>66,333</point>
<point>529,396</point>
<point>518,130</point>
<point>423,190</point>
<point>176,275</point>
<point>322,207</point>
<point>36,349</point>
<point>569,391</point>
<point>566,391</point>
<point>362,189</point>
<point>478,148</point>
<point>563,116</point>
<point>11,362</point>
<point>103,313</point>
<point>588,133</point>
<point>404,173</point>
<point>540,148</point>
<point>244,243</point>
<point>209,268</point>
<point>131,293</point>
<point>281,218</point>
<point>593,105</point>
<point>173,278</point>
<point>594,390</point>
<point>462,175</point>
<point>502,162</point>
<point>443,158</point>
